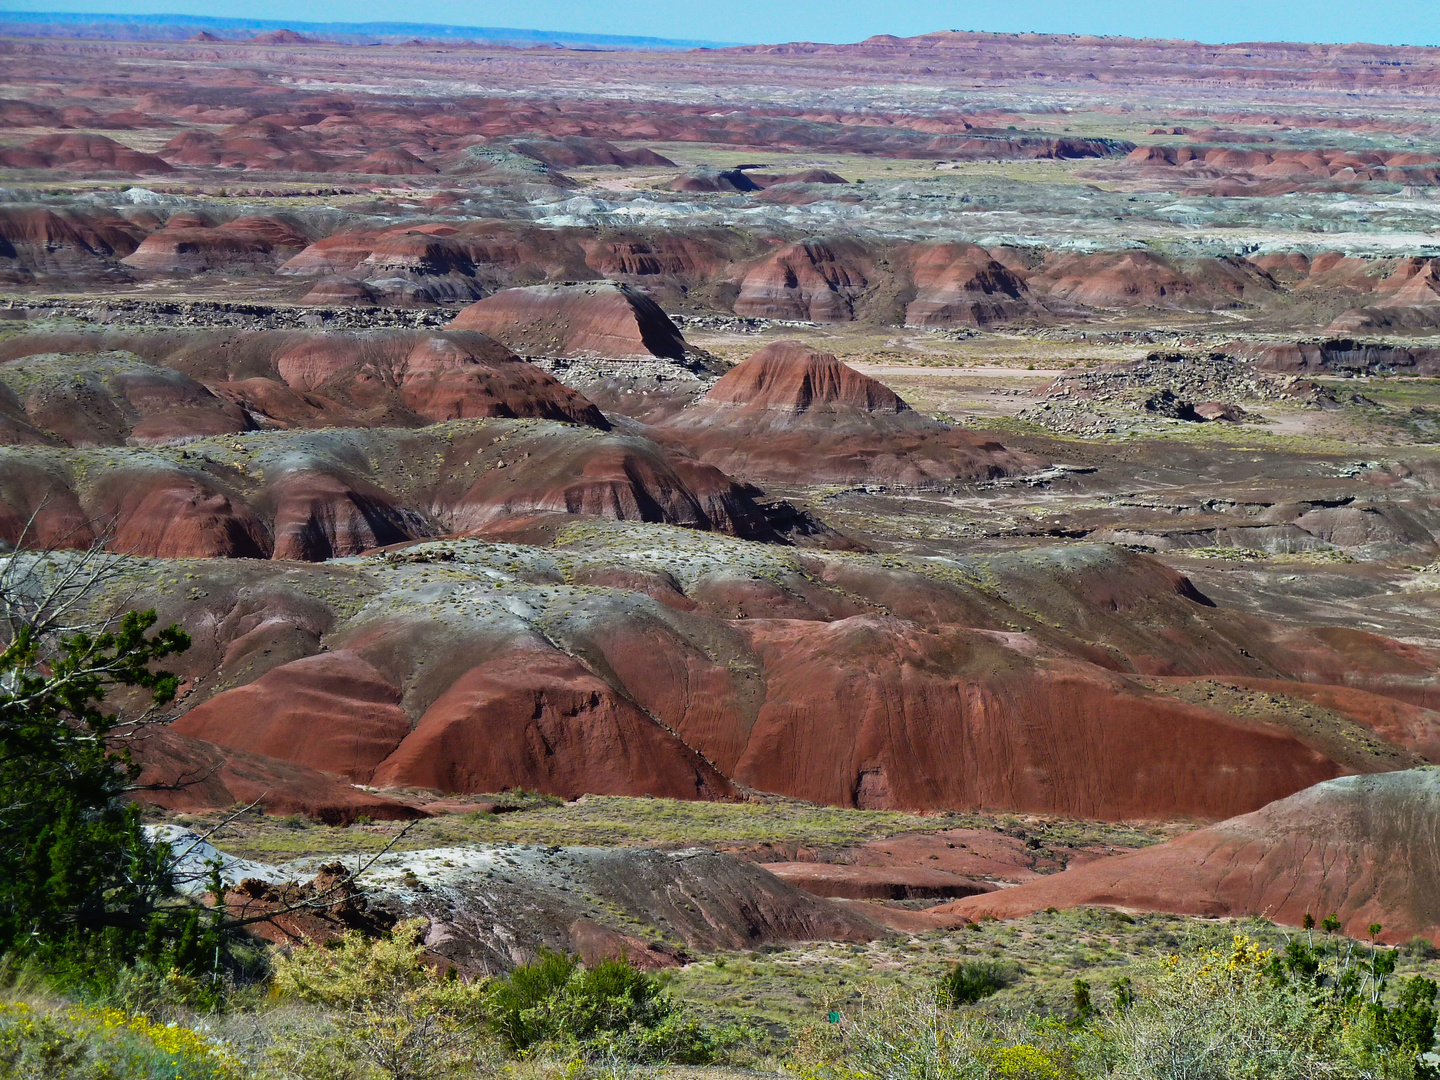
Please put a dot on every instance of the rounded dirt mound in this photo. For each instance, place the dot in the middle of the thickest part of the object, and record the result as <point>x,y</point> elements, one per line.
<point>817,281</point>
<point>791,377</point>
<point>332,711</point>
<point>396,161</point>
<point>1366,848</point>
<point>302,378</point>
<point>964,285</point>
<point>113,399</point>
<point>540,719</point>
<point>794,414</point>
<point>324,514</point>
<point>614,476</point>
<point>179,772</point>
<point>600,320</point>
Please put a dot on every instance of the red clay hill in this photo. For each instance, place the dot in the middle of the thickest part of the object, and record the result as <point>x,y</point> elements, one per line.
<point>790,380</point>
<point>793,413</point>
<point>1365,848</point>
<point>676,663</point>
<point>581,320</point>
<point>299,379</point>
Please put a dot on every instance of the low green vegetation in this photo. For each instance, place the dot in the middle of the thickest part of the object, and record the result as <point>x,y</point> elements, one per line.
<point>616,821</point>
<point>78,1043</point>
<point>362,1008</point>
<point>1232,1011</point>
<point>778,992</point>
<point>973,980</point>
<point>610,1011</point>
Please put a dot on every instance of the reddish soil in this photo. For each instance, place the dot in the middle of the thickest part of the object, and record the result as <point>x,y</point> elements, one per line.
<point>1139,278</point>
<point>532,719</point>
<point>288,379</point>
<point>964,285</point>
<point>188,245</point>
<point>950,863</point>
<point>332,711</point>
<point>605,320</point>
<point>183,773</point>
<point>513,590</point>
<point>849,882</point>
<point>793,413</point>
<point>791,378</point>
<point>840,682</point>
<point>1362,847</point>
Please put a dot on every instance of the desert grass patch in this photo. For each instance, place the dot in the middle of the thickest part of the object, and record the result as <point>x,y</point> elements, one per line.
<point>1222,1010</point>
<point>780,993</point>
<point>623,821</point>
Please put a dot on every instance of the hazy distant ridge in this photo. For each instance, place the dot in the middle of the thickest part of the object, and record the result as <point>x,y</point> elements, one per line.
<point>162,27</point>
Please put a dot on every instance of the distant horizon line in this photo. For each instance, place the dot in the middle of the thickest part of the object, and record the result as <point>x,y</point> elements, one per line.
<point>383,30</point>
<point>371,29</point>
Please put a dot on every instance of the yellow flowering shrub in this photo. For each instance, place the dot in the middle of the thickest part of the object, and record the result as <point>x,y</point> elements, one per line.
<point>1024,1062</point>
<point>78,1043</point>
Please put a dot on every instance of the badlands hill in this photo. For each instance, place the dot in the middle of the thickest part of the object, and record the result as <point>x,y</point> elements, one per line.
<point>793,413</point>
<point>1114,542</point>
<point>1366,848</point>
<point>604,320</point>
<point>685,664</point>
<point>790,380</point>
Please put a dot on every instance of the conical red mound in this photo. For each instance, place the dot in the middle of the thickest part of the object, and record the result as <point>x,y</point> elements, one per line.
<point>798,415</point>
<point>790,376</point>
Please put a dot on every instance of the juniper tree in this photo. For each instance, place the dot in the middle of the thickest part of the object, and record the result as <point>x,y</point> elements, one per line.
<point>79,881</point>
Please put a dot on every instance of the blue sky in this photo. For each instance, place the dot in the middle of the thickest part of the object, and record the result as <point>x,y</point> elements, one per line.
<point>1413,22</point>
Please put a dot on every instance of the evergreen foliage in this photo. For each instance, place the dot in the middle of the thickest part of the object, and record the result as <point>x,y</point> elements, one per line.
<point>608,1010</point>
<point>81,888</point>
<point>973,980</point>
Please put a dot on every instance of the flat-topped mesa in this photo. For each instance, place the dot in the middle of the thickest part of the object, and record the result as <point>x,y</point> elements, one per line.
<point>791,377</point>
<point>602,320</point>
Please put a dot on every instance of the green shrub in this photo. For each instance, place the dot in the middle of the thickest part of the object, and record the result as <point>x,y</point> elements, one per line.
<point>973,980</point>
<point>610,1010</point>
<point>519,1005</point>
<point>389,1012</point>
<point>1236,1013</point>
